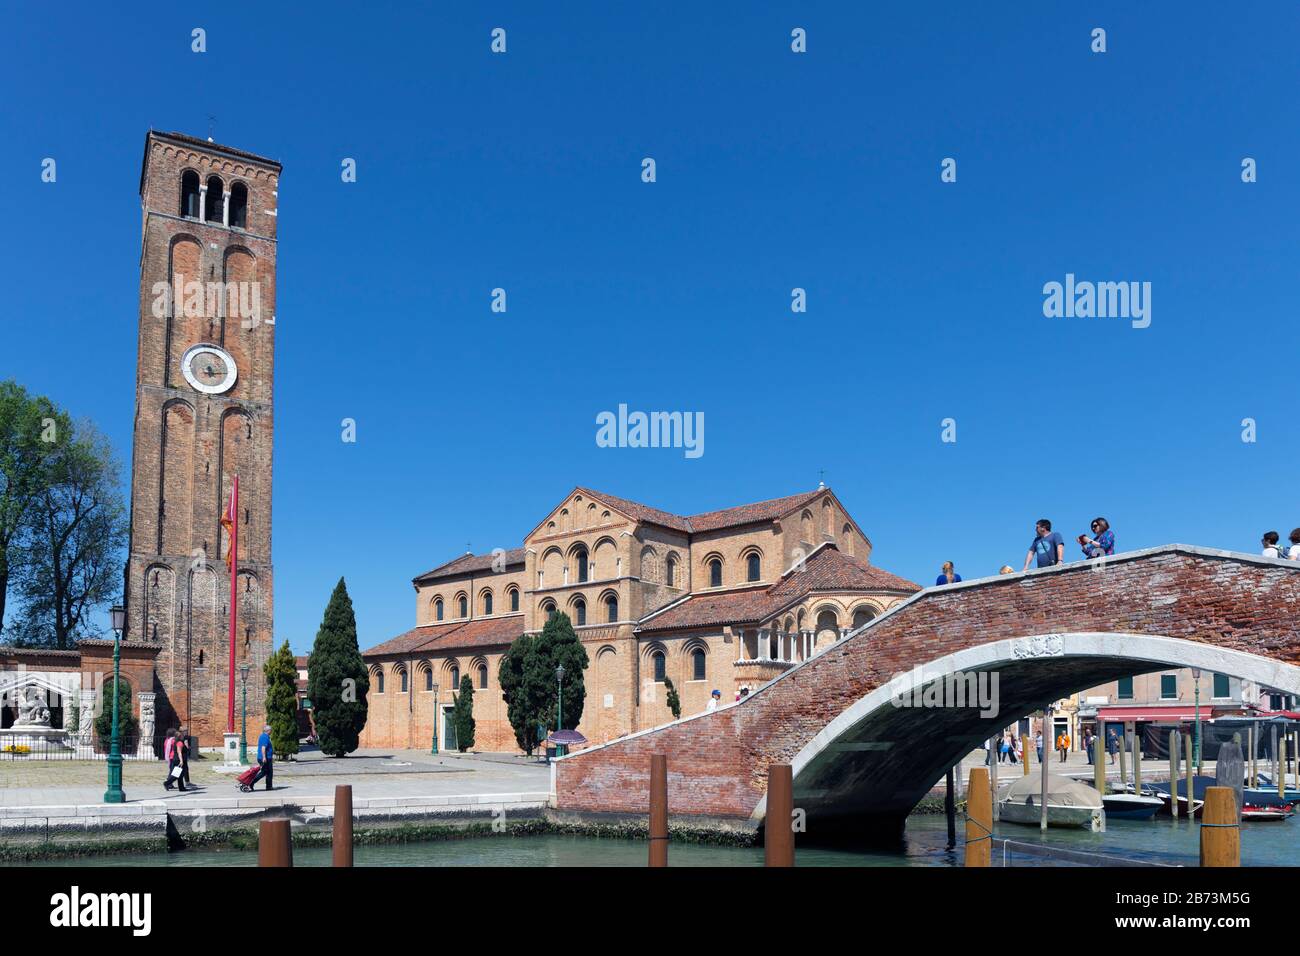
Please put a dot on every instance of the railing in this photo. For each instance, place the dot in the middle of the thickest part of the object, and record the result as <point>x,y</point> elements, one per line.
<point>70,747</point>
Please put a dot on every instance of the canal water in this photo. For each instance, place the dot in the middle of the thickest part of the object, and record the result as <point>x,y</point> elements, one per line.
<point>1159,840</point>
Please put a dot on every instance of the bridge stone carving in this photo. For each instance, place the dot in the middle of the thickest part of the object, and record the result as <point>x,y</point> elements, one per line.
<point>861,762</point>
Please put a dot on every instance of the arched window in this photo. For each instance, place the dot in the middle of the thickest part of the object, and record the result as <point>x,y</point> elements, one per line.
<point>697,664</point>
<point>455,677</point>
<point>658,660</point>
<point>847,534</point>
<point>715,573</point>
<point>580,612</point>
<point>437,609</point>
<point>482,676</point>
<point>487,602</point>
<point>670,571</point>
<point>379,682</point>
<point>828,621</point>
<point>611,609</point>
<point>462,604</point>
<point>428,678</point>
<point>514,599</point>
<point>754,566</point>
<point>402,675</point>
<point>548,608</point>
<point>862,615</point>
<point>239,206</point>
<point>190,194</point>
<point>212,207</point>
<point>580,562</point>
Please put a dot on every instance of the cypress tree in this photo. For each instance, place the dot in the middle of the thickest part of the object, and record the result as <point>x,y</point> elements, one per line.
<point>337,678</point>
<point>674,701</point>
<point>463,714</point>
<point>282,701</point>
<point>558,644</point>
<point>521,706</point>
<point>127,726</point>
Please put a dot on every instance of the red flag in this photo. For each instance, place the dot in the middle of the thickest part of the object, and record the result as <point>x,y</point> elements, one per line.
<point>228,522</point>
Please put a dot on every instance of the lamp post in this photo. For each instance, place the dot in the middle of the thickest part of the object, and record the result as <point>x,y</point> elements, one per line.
<point>1196,728</point>
<point>114,794</point>
<point>243,728</point>
<point>559,703</point>
<point>435,720</point>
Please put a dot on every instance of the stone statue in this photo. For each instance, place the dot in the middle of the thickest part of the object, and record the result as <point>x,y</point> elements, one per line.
<point>145,747</point>
<point>32,711</point>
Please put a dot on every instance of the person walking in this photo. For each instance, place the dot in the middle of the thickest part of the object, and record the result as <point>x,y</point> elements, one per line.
<point>168,749</point>
<point>1102,541</point>
<point>1038,744</point>
<point>183,746</point>
<point>1269,541</point>
<point>1088,740</point>
<point>265,758</point>
<point>1293,552</point>
<point>947,575</point>
<point>1004,749</point>
<point>1063,745</point>
<point>714,699</point>
<point>174,761</point>
<point>1019,753</point>
<point>1112,745</point>
<point>1048,547</point>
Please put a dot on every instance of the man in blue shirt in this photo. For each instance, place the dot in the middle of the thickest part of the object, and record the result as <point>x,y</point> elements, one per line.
<point>265,757</point>
<point>1048,547</point>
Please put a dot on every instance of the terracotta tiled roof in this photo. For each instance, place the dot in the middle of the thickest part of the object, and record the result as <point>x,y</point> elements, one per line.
<point>485,632</point>
<point>825,570</point>
<point>748,514</point>
<point>709,520</point>
<point>831,570</point>
<point>471,563</point>
<point>640,512</point>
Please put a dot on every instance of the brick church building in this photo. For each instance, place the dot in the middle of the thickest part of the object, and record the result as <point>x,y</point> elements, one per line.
<point>725,599</point>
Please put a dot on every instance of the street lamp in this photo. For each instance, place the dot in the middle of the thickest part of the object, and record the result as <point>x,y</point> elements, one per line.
<point>114,794</point>
<point>243,729</point>
<point>435,720</point>
<point>1196,728</point>
<point>559,703</point>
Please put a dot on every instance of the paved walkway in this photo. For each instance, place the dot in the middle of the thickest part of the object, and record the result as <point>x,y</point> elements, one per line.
<point>372,774</point>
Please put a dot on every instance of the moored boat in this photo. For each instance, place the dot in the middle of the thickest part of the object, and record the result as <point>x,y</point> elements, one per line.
<point>1069,804</point>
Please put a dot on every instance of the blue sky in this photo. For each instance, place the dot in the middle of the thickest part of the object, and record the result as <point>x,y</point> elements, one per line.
<point>775,170</point>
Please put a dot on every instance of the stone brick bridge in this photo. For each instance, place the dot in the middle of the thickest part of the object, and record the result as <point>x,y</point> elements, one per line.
<point>861,763</point>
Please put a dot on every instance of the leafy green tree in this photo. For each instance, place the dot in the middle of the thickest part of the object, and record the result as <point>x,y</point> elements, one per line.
<point>529,684</point>
<point>338,681</point>
<point>282,701</point>
<point>74,532</point>
<point>674,702</point>
<point>127,726</point>
<point>463,714</point>
<point>30,426</point>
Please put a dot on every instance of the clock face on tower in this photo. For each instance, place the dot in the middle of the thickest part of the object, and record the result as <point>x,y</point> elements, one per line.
<point>209,368</point>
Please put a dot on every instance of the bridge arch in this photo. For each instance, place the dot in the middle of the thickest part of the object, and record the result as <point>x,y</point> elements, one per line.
<point>849,769</point>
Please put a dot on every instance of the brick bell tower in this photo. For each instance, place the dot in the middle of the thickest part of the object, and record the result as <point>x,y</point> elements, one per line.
<point>203,414</point>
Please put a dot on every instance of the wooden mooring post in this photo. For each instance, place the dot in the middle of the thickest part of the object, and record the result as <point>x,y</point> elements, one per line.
<point>979,818</point>
<point>273,843</point>
<point>342,842</point>
<point>658,810</point>
<point>1220,831</point>
<point>950,808</point>
<point>1173,773</point>
<point>778,829</point>
<point>1191,768</point>
<point>1099,765</point>
<point>1137,764</point>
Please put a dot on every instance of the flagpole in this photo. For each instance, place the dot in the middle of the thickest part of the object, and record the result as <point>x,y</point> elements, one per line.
<point>234,606</point>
